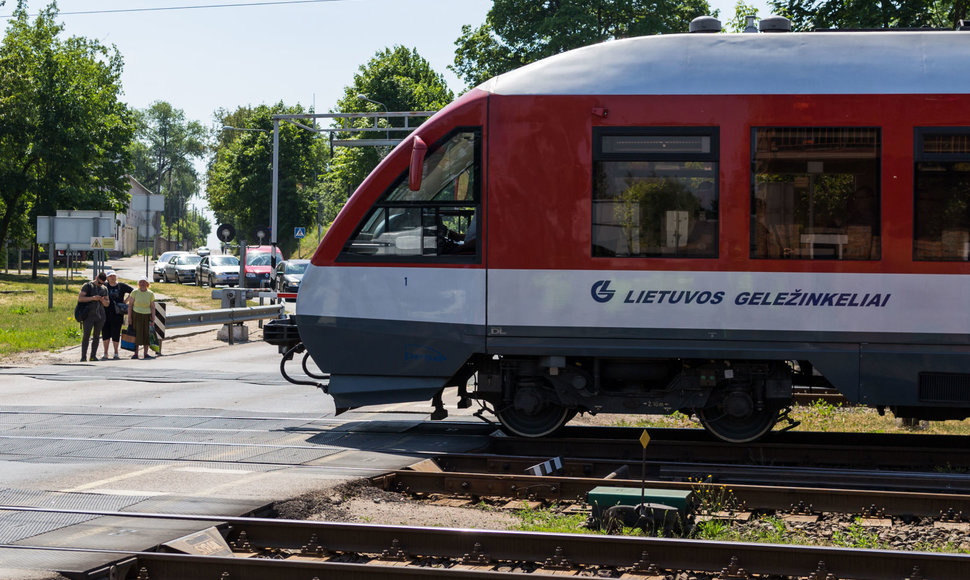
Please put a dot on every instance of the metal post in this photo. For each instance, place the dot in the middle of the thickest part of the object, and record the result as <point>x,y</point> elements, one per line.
<point>147,229</point>
<point>276,185</point>
<point>242,264</point>
<point>50,263</point>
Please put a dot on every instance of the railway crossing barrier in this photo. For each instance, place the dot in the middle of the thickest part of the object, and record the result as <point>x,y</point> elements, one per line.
<point>160,319</point>
<point>238,296</point>
<point>228,317</point>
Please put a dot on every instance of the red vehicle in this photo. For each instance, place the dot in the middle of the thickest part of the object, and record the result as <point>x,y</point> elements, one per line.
<point>260,264</point>
<point>690,222</point>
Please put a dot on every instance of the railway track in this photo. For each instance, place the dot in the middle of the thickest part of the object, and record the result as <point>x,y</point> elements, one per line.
<point>715,472</point>
<point>262,549</point>
<point>855,450</point>
<point>477,479</point>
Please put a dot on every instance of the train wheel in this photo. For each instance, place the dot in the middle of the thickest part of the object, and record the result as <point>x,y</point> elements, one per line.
<point>532,415</point>
<point>735,419</point>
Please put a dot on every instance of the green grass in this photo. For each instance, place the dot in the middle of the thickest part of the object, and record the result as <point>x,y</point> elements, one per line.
<point>27,325</point>
<point>818,416</point>
<point>767,529</point>
<point>764,530</point>
<point>186,295</point>
<point>549,520</point>
<point>858,536</point>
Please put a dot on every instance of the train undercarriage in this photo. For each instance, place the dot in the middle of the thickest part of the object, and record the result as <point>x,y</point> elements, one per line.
<point>737,401</point>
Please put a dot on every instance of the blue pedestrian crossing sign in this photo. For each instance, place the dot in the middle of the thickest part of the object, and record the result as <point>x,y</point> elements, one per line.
<point>299,233</point>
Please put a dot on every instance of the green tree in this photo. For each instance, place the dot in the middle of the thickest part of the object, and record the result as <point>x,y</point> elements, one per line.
<point>401,80</point>
<point>741,13</point>
<point>64,134</point>
<point>193,227</point>
<point>517,32</point>
<point>239,185</point>
<point>862,14</point>
<point>164,153</point>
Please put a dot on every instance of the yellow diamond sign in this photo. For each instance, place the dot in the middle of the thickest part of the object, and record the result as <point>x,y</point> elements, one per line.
<point>644,439</point>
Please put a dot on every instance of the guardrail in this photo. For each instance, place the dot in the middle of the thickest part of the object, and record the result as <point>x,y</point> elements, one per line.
<point>223,316</point>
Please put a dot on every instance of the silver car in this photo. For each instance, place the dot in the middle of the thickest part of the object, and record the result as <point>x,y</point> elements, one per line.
<point>158,272</point>
<point>181,268</point>
<point>219,269</point>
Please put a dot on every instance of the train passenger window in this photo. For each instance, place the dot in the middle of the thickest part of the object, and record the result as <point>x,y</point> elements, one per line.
<point>942,192</point>
<point>655,192</point>
<point>437,221</point>
<point>815,193</point>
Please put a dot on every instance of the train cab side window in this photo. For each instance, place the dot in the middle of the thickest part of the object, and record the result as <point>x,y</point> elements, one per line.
<point>655,192</point>
<point>439,221</point>
<point>815,193</point>
<point>942,194</point>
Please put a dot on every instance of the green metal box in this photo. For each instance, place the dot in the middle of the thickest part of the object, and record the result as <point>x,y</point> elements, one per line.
<point>603,497</point>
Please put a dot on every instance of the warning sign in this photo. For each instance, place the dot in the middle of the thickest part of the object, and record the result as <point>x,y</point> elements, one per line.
<point>644,439</point>
<point>98,243</point>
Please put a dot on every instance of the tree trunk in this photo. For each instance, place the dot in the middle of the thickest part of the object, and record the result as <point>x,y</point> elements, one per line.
<point>35,257</point>
<point>11,209</point>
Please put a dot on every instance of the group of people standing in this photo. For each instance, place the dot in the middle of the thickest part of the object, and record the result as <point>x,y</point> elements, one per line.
<point>110,304</point>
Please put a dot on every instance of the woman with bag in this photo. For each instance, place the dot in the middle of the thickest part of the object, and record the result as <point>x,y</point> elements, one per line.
<point>141,310</point>
<point>115,312</point>
<point>96,297</point>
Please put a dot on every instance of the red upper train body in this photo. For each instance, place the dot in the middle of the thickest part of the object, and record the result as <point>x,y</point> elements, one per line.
<point>692,222</point>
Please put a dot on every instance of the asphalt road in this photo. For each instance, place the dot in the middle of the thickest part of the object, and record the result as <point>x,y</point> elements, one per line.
<point>214,431</point>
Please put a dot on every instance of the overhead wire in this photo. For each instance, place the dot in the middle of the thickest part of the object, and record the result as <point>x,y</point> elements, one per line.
<point>187,7</point>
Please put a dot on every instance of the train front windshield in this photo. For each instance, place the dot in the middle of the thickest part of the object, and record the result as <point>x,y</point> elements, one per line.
<point>438,219</point>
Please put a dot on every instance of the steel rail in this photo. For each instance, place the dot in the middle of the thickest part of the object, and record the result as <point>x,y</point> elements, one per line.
<point>820,449</point>
<point>570,550</point>
<point>753,497</point>
<point>718,472</point>
<point>174,566</point>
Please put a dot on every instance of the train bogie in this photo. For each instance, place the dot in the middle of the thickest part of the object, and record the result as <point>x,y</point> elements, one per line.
<point>685,222</point>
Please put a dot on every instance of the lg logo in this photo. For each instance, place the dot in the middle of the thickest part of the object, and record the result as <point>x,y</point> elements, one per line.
<point>601,291</point>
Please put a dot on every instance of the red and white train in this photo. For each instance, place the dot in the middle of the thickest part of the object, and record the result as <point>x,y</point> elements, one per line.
<point>688,222</point>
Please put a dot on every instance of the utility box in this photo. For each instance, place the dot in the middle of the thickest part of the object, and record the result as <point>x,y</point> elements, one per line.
<point>603,497</point>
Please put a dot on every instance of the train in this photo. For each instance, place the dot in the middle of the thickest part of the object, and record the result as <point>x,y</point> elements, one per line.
<point>686,222</point>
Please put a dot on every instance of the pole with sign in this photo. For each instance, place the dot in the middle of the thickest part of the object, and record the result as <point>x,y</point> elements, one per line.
<point>71,232</point>
<point>299,233</point>
<point>644,440</point>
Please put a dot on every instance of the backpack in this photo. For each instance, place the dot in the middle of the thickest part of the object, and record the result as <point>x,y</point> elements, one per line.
<point>80,311</point>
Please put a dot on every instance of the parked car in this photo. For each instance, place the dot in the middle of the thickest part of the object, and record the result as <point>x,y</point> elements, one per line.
<point>259,265</point>
<point>158,272</point>
<point>181,268</point>
<point>289,274</point>
<point>203,251</point>
<point>219,269</point>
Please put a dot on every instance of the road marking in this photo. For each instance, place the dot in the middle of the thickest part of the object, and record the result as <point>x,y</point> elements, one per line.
<point>214,470</point>
<point>127,492</point>
<point>99,483</point>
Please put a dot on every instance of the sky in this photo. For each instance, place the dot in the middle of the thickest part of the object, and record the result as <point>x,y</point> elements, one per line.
<point>231,53</point>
